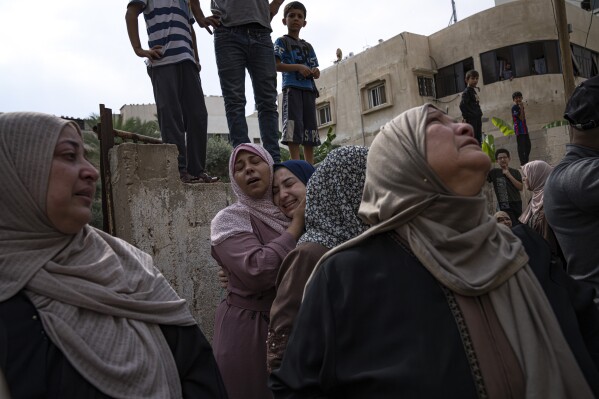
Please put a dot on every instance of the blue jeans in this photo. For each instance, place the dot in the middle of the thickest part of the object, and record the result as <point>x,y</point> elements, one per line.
<point>237,49</point>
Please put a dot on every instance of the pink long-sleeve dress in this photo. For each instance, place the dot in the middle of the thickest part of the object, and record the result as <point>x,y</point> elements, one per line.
<point>252,261</point>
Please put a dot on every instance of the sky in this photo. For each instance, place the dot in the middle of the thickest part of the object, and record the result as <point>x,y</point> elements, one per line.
<point>66,57</point>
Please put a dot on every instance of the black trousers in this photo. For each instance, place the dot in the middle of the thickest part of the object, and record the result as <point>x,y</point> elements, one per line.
<point>477,126</point>
<point>523,141</point>
<point>182,113</point>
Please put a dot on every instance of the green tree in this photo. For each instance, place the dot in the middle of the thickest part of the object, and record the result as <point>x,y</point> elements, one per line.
<point>217,157</point>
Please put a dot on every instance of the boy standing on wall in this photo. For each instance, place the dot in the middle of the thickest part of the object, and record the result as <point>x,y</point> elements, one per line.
<point>520,128</point>
<point>173,66</point>
<point>297,61</point>
<point>470,106</point>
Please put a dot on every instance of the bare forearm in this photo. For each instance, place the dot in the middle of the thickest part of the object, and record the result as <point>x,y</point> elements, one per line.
<point>519,186</point>
<point>274,7</point>
<point>289,67</point>
<point>133,27</point>
<point>196,10</point>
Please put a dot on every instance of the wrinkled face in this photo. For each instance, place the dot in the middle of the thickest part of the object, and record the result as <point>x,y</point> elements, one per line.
<point>72,184</point>
<point>288,191</point>
<point>472,81</point>
<point>503,160</point>
<point>252,174</point>
<point>454,154</point>
<point>295,20</point>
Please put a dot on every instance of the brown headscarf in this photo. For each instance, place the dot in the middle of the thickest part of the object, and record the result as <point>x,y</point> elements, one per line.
<point>463,247</point>
<point>99,298</point>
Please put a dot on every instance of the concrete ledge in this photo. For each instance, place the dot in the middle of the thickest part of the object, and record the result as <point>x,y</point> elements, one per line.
<point>170,220</point>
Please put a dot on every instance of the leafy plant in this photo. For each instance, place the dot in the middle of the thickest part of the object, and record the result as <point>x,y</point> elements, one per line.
<point>503,126</point>
<point>217,157</point>
<point>488,146</point>
<point>556,124</point>
<point>320,153</point>
<point>327,146</point>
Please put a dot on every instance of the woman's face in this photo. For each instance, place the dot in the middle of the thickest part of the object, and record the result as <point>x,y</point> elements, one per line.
<point>72,184</point>
<point>288,191</point>
<point>454,154</point>
<point>503,218</point>
<point>252,174</point>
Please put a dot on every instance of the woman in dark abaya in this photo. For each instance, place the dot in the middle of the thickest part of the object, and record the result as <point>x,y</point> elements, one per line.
<point>82,314</point>
<point>436,299</point>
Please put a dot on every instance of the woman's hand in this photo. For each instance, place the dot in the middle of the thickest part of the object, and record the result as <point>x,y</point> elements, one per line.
<point>223,278</point>
<point>296,228</point>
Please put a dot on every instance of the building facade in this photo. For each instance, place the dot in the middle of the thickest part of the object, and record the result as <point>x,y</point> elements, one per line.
<point>364,91</point>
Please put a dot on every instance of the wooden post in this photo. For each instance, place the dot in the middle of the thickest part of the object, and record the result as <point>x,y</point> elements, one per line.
<point>565,51</point>
<point>106,137</point>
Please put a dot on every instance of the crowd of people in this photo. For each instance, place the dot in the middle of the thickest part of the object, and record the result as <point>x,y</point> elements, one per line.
<point>378,273</point>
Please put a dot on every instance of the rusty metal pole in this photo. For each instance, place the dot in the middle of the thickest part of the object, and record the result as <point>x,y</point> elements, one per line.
<point>564,48</point>
<point>106,136</point>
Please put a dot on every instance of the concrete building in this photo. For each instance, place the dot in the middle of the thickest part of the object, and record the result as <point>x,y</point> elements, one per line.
<point>217,120</point>
<point>364,91</point>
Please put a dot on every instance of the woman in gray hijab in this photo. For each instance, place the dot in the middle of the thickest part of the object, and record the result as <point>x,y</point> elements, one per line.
<point>435,299</point>
<point>82,314</point>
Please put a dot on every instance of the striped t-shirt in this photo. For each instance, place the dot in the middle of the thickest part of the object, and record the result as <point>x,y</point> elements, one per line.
<point>169,24</point>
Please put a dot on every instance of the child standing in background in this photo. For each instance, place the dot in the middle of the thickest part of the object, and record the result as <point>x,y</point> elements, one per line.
<point>297,61</point>
<point>470,106</point>
<point>520,128</point>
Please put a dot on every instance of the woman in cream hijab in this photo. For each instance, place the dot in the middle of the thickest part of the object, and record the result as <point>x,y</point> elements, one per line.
<point>82,314</point>
<point>435,299</point>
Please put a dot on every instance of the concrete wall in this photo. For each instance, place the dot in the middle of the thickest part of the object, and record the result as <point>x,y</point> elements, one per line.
<point>169,220</point>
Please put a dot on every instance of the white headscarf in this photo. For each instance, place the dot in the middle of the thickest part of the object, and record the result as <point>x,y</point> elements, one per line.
<point>99,298</point>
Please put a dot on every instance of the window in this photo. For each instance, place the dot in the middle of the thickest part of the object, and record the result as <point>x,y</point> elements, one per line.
<point>376,96</point>
<point>426,88</point>
<point>450,79</point>
<point>324,114</point>
<point>585,62</point>
<point>525,59</point>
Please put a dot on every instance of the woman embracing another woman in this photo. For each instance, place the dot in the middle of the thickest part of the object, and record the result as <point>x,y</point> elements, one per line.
<point>250,239</point>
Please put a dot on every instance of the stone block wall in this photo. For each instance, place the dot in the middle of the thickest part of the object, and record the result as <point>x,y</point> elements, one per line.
<point>170,220</point>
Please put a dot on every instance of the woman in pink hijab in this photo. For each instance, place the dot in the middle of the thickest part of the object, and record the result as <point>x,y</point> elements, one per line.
<point>534,175</point>
<point>249,241</point>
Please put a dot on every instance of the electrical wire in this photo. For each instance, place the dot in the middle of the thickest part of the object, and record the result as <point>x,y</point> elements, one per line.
<point>589,29</point>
